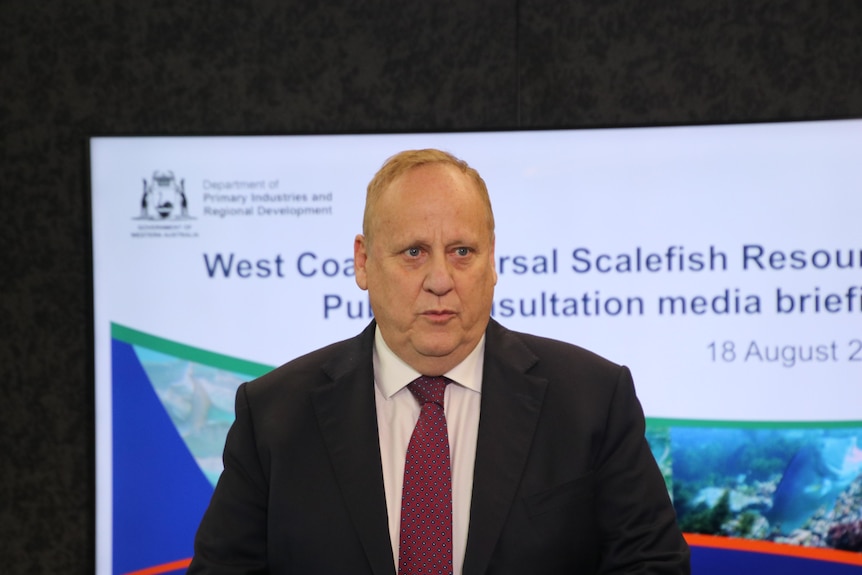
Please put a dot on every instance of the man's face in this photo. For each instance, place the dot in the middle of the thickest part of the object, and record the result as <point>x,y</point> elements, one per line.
<point>428,266</point>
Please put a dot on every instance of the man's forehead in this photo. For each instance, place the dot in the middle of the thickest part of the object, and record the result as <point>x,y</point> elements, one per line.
<point>424,183</point>
<point>393,230</point>
<point>417,178</point>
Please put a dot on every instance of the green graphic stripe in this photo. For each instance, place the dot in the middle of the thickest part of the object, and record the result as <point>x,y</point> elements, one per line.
<point>201,356</point>
<point>658,422</point>
<point>237,365</point>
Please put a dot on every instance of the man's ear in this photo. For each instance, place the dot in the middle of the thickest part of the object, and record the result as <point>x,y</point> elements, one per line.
<point>360,258</point>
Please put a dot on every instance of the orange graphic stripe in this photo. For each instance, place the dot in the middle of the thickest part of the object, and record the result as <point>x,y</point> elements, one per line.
<point>693,539</point>
<point>787,550</point>
<point>164,568</point>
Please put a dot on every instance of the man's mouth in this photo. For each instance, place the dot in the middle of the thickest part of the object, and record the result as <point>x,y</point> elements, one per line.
<point>438,315</point>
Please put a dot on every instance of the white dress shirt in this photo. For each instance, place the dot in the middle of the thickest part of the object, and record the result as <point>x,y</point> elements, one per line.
<point>397,414</point>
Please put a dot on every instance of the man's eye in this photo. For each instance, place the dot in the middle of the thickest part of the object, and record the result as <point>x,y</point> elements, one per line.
<point>413,252</point>
<point>463,251</point>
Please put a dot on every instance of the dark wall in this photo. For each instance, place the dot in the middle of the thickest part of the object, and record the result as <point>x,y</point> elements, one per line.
<point>69,69</point>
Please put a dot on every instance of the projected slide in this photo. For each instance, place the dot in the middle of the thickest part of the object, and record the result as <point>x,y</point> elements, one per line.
<point>722,264</point>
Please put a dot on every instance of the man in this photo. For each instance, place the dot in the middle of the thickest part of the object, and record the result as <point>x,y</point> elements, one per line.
<point>545,465</point>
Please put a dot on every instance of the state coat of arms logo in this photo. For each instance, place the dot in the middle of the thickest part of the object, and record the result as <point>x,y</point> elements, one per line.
<point>164,198</point>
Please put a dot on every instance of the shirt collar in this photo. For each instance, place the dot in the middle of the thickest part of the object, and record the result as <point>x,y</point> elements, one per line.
<point>392,374</point>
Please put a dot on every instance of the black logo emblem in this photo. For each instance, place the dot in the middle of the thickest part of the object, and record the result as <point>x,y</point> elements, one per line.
<point>164,198</point>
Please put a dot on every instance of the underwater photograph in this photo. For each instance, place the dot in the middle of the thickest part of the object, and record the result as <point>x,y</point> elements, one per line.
<point>801,486</point>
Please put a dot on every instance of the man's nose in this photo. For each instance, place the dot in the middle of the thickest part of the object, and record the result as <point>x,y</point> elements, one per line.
<point>438,279</point>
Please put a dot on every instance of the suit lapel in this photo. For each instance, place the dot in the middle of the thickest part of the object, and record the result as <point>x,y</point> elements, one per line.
<point>511,403</point>
<point>347,416</point>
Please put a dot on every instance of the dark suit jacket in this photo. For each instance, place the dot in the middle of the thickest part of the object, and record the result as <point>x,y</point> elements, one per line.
<point>564,481</point>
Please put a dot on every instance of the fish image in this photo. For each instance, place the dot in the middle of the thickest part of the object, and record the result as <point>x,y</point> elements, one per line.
<point>200,404</point>
<point>813,479</point>
<point>187,402</point>
<point>199,401</point>
<point>206,417</point>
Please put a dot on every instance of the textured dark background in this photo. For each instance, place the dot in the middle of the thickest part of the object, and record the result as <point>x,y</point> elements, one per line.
<point>70,69</point>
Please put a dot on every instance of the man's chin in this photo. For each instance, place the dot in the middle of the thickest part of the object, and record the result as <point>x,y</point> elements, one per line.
<point>435,343</point>
<point>442,346</point>
<point>436,349</point>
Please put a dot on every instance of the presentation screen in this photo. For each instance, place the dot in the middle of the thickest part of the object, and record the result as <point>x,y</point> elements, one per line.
<point>722,264</point>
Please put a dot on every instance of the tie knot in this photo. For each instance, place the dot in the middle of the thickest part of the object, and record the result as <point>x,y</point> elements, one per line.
<point>429,389</point>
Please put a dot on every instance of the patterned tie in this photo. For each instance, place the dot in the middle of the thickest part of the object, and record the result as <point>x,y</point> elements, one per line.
<point>426,502</point>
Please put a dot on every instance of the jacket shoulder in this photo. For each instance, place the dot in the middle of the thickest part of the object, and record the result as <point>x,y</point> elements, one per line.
<point>549,355</point>
<point>319,366</point>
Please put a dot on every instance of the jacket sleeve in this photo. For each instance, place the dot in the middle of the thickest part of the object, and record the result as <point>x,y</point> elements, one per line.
<point>232,536</point>
<point>635,514</point>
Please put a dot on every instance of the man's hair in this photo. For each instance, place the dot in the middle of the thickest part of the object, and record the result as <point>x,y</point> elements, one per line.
<point>405,161</point>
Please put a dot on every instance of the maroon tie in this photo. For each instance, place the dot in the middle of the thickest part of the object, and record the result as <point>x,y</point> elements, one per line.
<point>426,502</point>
